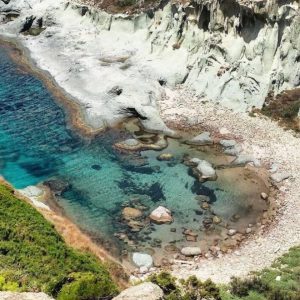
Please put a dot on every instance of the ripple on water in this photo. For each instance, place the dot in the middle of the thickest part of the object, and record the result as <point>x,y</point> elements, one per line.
<point>93,182</point>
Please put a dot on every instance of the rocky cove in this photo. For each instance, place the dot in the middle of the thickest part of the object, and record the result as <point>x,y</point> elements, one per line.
<point>119,82</point>
<point>208,204</point>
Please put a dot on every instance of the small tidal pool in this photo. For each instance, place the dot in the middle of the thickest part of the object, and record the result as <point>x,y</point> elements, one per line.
<point>94,182</point>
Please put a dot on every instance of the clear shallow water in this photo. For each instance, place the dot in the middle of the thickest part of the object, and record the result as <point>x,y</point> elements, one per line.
<point>36,145</point>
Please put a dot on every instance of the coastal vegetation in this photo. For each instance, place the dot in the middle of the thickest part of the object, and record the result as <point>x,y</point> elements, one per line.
<point>34,257</point>
<point>279,282</point>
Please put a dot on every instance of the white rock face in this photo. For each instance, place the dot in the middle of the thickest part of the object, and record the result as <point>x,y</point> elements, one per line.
<point>233,55</point>
<point>145,291</point>
<point>161,215</point>
<point>142,260</point>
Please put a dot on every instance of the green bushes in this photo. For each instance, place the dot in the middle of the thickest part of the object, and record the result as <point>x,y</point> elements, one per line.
<point>33,257</point>
<point>190,289</point>
<point>279,282</point>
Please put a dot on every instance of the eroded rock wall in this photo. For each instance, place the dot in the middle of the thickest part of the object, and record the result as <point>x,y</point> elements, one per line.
<point>230,52</point>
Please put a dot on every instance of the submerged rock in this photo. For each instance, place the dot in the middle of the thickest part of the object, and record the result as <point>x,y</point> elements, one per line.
<point>217,220</point>
<point>165,156</point>
<point>191,251</point>
<point>161,215</point>
<point>142,259</point>
<point>129,213</point>
<point>143,291</point>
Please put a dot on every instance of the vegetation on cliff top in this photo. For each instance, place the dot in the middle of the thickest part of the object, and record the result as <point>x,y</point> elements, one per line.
<point>33,257</point>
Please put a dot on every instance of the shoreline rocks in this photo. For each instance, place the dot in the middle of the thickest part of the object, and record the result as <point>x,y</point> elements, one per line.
<point>201,140</point>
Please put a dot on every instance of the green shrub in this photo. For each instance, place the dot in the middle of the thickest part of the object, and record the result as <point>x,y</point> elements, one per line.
<point>34,257</point>
<point>85,286</point>
<point>190,289</point>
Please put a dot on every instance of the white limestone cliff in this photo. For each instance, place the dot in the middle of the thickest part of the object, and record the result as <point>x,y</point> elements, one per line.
<point>233,53</point>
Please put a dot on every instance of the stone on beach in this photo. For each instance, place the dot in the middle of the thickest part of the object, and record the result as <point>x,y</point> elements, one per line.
<point>161,215</point>
<point>191,251</point>
<point>244,159</point>
<point>142,259</point>
<point>201,139</point>
<point>227,143</point>
<point>279,177</point>
<point>143,291</point>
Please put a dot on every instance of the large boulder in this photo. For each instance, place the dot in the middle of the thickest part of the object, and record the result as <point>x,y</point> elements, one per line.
<point>142,259</point>
<point>143,291</point>
<point>190,251</point>
<point>161,215</point>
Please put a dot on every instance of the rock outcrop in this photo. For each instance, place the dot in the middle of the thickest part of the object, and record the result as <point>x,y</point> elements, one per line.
<point>24,296</point>
<point>145,291</point>
<point>230,52</point>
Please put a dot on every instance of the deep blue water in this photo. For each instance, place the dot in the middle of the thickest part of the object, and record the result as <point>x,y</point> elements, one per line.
<point>96,181</point>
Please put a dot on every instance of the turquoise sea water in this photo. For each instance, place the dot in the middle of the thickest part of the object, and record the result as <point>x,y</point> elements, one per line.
<point>93,181</point>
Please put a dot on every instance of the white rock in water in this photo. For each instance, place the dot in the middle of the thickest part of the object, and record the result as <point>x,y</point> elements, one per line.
<point>161,215</point>
<point>201,139</point>
<point>142,259</point>
<point>191,251</point>
<point>278,177</point>
<point>143,291</point>
<point>206,170</point>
